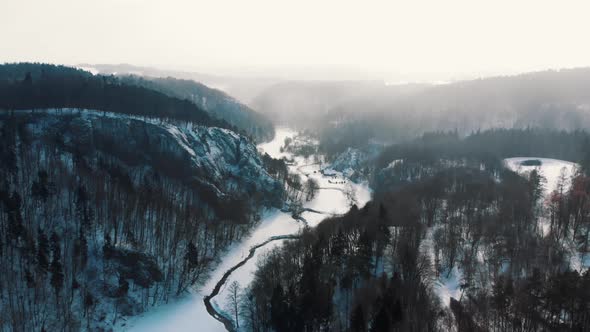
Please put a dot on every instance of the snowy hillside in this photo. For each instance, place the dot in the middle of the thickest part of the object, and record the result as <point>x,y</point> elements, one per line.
<point>215,102</point>
<point>110,214</point>
<point>218,158</point>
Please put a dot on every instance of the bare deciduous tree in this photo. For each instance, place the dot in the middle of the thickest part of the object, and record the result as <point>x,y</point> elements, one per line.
<point>233,301</point>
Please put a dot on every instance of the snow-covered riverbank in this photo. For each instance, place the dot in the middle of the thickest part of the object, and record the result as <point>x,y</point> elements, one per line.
<point>190,314</point>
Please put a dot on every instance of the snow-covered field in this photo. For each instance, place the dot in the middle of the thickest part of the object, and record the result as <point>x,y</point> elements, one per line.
<point>550,169</point>
<point>190,314</point>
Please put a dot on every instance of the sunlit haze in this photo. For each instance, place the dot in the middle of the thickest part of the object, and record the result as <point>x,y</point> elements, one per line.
<point>391,40</point>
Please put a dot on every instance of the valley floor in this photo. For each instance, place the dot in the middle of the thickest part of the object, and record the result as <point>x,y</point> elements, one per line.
<point>189,313</point>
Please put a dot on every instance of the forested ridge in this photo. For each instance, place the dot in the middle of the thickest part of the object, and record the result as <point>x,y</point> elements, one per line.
<point>40,86</point>
<point>215,102</point>
<point>440,150</point>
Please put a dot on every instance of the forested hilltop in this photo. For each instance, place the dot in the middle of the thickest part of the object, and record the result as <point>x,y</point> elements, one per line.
<point>217,103</point>
<point>114,198</point>
<point>39,86</point>
<point>244,88</point>
<point>452,240</point>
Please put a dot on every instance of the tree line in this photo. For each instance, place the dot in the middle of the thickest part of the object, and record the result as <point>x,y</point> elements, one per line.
<point>31,86</point>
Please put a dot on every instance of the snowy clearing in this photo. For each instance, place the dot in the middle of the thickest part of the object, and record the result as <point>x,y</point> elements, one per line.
<point>550,169</point>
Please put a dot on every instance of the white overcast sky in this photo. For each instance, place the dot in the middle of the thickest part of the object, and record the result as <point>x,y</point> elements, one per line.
<point>434,40</point>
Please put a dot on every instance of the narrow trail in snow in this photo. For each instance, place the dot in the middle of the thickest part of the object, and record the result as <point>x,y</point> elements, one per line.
<point>228,323</point>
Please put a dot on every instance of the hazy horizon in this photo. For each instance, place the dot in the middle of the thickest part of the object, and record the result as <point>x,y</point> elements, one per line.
<point>391,41</point>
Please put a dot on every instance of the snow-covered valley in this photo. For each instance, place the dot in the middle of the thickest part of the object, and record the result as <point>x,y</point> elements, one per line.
<point>333,198</point>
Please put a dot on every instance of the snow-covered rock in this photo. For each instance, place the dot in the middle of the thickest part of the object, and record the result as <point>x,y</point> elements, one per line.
<point>215,159</point>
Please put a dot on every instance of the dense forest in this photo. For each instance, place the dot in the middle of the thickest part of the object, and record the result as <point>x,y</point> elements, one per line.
<point>244,88</point>
<point>455,213</point>
<point>114,198</point>
<point>40,86</point>
<point>118,193</point>
<point>217,103</point>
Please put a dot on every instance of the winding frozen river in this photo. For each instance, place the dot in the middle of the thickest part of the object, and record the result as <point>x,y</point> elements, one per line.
<point>190,313</point>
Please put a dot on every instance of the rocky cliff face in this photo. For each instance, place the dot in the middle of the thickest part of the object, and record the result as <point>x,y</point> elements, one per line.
<point>225,162</point>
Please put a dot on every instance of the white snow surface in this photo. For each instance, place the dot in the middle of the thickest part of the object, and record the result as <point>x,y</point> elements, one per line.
<point>189,313</point>
<point>449,285</point>
<point>550,169</point>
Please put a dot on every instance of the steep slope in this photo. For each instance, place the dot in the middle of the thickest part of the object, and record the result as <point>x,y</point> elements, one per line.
<point>113,197</point>
<point>136,211</point>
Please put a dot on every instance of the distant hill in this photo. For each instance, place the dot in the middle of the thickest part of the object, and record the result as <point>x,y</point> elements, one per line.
<point>242,88</point>
<point>550,99</point>
<point>301,103</point>
<point>217,103</point>
<point>40,86</point>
